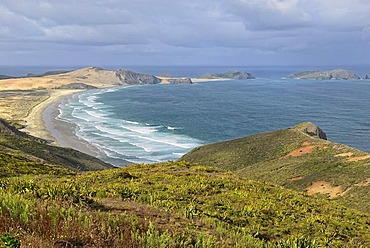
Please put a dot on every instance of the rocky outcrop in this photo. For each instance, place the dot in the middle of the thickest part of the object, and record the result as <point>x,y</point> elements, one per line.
<point>311,129</point>
<point>134,78</point>
<point>185,80</point>
<point>240,75</point>
<point>326,75</point>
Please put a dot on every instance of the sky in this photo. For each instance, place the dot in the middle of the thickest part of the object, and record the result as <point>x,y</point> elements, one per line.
<point>185,32</point>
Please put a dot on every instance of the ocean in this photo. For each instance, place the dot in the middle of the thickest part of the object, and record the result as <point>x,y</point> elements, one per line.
<point>153,123</point>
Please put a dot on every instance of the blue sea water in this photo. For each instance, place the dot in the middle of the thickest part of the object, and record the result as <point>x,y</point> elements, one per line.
<point>161,122</point>
<point>154,123</point>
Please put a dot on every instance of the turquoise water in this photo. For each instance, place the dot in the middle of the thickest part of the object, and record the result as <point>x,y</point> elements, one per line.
<point>161,122</point>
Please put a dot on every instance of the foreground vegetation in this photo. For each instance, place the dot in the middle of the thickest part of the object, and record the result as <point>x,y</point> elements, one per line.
<point>174,204</point>
<point>48,200</point>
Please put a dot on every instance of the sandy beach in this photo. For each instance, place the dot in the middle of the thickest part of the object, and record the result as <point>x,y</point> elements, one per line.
<point>42,123</point>
<point>35,124</point>
<point>63,133</point>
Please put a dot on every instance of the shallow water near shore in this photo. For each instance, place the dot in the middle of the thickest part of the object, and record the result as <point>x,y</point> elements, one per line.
<point>155,123</point>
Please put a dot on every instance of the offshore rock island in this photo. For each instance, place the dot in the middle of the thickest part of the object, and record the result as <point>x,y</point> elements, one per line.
<point>237,75</point>
<point>336,74</point>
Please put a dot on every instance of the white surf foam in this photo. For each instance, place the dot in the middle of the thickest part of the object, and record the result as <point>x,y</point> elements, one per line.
<point>116,138</point>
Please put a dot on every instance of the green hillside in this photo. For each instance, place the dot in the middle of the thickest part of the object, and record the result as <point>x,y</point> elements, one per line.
<point>297,160</point>
<point>20,152</point>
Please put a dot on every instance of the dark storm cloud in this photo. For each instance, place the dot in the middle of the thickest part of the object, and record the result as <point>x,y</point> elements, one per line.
<point>177,32</point>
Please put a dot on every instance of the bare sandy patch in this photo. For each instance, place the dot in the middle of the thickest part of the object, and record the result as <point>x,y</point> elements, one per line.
<point>364,183</point>
<point>306,143</point>
<point>306,148</point>
<point>346,154</point>
<point>295,178</point>
<point>325,188</point>
<point>359,158</point>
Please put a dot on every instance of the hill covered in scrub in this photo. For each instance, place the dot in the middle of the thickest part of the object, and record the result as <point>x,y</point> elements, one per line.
<point>19,152</point>
<point>45,202</point>
<point>296,158</point>
<point>174,204</point>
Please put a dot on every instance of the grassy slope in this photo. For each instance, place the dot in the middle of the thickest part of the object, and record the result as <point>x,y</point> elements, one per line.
<point>19,150</point>
<point>168,205</point>
<point>174,204</point>
<point>265,157</point>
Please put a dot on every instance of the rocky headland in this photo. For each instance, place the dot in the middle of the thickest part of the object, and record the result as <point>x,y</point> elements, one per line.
<point>311,129</point>
<point>237,75</point>
<point>337,74</point>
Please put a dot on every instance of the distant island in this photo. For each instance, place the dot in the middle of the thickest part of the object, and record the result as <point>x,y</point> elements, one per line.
<point>241,75</point>
<point>337,74</point>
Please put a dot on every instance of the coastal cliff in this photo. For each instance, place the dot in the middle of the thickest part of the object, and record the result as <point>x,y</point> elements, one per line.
<point>134,78</point>
<point>336,74</point>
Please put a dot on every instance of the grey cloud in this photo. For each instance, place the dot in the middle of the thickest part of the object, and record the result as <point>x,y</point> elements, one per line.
<point>170,31</point>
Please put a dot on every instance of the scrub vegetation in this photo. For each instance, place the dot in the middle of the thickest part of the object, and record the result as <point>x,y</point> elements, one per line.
<point>295,160</point>
<point>172,204</point>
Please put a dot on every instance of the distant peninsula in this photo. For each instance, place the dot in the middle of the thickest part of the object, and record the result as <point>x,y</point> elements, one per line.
<point>337,74</point>
<point>241,75</point>
<point>85,78</point>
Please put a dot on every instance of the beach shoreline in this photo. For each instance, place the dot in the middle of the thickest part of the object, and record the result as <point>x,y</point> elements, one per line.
<point>64,133</point>
<point>42,122</point>
<point>35,125</point>
<point>38,124</point>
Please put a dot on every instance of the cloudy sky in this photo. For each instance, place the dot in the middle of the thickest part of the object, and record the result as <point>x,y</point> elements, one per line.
<point>184,32</point>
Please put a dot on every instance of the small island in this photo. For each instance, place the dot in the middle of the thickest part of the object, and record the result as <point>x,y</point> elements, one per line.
<point>237,75</point>
<point>337,74</point>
